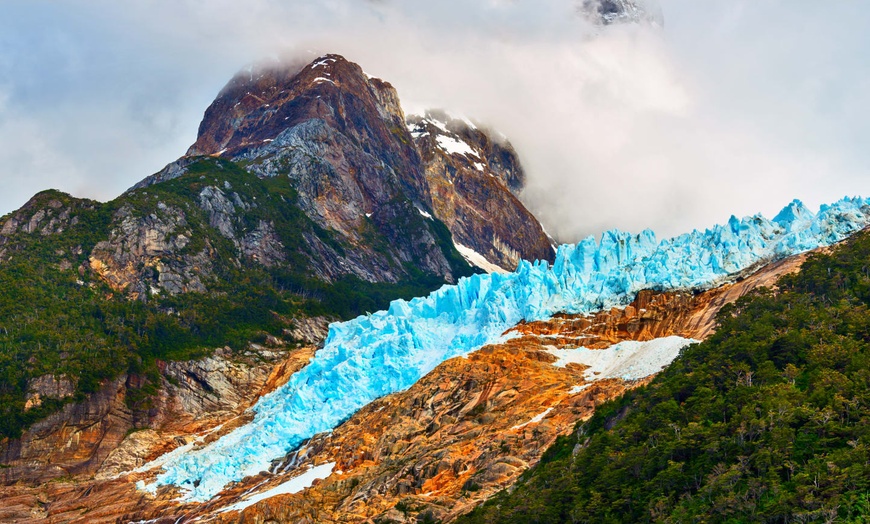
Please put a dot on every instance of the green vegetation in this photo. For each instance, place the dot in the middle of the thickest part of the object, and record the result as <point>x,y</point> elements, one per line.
<point>766,421</point>
<point>58,318</point>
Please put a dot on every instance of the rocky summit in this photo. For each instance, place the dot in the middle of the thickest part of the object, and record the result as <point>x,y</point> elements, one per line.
<point>341,138</point>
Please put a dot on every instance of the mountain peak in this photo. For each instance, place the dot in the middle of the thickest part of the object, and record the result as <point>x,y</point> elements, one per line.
<point>260,102</point>
<point>794,212</point>
<point>607,12</point>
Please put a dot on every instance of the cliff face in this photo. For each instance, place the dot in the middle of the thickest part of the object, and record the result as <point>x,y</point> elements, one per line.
<point>109,433</point>
<point>474,179</point>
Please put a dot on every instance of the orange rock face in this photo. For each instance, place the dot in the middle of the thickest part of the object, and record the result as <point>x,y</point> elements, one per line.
<point>463,432</point>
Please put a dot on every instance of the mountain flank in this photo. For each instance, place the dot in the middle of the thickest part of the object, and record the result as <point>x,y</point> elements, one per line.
<point>305,196</point>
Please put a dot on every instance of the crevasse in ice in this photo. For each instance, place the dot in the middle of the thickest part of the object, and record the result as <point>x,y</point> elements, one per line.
<point>388,351</point>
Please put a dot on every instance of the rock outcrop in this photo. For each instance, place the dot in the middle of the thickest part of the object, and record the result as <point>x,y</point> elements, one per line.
<point>607,12</point>
<point>145,254</point>
<point>48,213</point>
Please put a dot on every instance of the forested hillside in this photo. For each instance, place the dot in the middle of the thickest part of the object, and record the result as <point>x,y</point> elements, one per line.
<point>59,318</point>
<point>766,421</point>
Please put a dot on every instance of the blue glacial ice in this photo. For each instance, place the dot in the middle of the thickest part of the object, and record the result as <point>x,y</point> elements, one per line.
<point>388,351</point>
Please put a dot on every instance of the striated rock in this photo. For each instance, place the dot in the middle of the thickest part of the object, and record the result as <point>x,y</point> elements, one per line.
<point>70,442</point>
<point>131,453</point>
<point>98,435</point>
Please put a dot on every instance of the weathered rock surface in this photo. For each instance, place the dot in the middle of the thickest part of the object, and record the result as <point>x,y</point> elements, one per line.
<point>46,387</point>
<point>71,442</point>
<point>145,254</point>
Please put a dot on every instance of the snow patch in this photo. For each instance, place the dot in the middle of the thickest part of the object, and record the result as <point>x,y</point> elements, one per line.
<point>294,485</point>
<point>535,420</point>
<point>440,125</point>
<point>425,214</point>
<point>454,147</point>
<point>476,259</point>
<point>629,360</point>
<point>322,62</point>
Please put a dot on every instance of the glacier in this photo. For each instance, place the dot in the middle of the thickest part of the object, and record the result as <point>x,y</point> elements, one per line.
<point>388,351</point>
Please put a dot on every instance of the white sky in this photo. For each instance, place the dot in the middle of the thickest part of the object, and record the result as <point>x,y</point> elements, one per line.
<point>734,107</point>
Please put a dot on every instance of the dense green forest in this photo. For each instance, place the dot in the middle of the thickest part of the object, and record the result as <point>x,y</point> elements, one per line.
<point>766,421</point>
<point>58,319</point>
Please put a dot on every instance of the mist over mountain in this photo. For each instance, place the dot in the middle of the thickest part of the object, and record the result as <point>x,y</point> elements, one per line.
<point>723,97</point>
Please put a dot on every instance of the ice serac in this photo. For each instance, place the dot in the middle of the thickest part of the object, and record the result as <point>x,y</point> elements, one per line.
<point>389,351</point>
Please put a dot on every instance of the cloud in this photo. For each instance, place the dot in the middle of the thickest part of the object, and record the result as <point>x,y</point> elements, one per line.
<point>734,107</point>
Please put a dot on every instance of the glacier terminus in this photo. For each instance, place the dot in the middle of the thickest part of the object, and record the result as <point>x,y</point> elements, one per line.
<point>388,351</point>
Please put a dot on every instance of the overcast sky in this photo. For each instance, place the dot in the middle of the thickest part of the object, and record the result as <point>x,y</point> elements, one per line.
<point>732,107</point>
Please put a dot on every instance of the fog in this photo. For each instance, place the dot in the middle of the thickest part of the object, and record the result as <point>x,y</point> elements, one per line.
<point>730,107</point>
